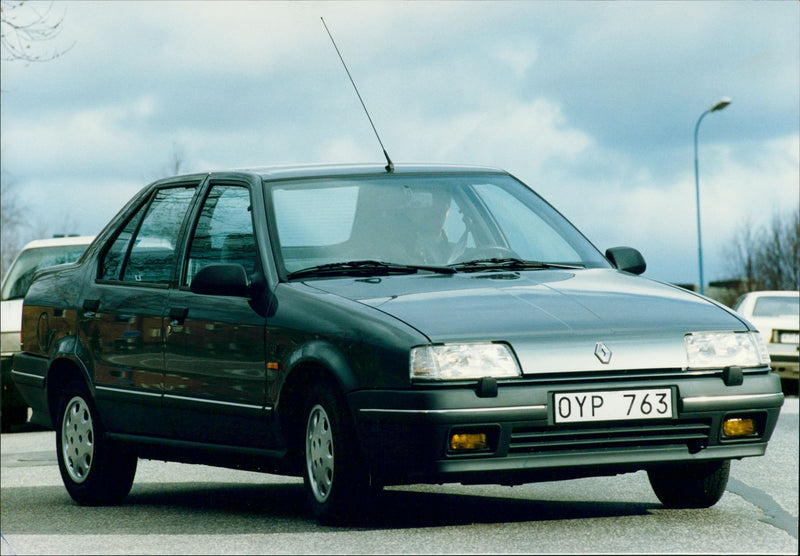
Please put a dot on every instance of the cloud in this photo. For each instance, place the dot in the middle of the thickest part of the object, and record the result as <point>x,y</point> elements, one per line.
<point>506,132</point>
<point>593,104</point>
<point>658,216</point>
<point>343,148</point>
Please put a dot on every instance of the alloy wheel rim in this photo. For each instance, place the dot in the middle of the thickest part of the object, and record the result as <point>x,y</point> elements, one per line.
<point>319,453</point>
<point>77,439</point>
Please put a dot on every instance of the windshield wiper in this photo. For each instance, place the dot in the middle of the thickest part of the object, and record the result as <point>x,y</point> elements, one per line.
<point>365,268</point>
<point>508,263</point>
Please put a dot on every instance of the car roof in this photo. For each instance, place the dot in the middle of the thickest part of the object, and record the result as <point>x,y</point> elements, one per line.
<point>300,171</point>
<point>56,241</point>
<point>320,170</point>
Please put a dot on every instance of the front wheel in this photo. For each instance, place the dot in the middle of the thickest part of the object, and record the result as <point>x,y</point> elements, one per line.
<point>690,485</point>
<point>95,470</point>
<point>334,474</point>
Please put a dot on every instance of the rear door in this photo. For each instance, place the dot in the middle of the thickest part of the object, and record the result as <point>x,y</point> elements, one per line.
<point>124,309</point>
<point>215,372</point>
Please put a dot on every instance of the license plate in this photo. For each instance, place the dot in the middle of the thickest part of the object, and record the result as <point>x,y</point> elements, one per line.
<point>617,405</point>
<point>789,337</point>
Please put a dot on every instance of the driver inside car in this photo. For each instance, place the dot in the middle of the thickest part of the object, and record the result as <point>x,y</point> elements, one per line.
<point>427,210</point>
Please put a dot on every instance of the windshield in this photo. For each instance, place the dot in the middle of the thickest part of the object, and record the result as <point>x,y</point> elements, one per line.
<point>30,260</point>
<point>422,221</point>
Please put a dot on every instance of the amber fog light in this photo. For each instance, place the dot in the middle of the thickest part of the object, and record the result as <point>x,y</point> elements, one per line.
<point>460,442</point>
<point>734,427</point>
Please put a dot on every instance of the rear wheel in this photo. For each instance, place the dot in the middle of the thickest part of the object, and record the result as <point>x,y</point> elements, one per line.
<point>690,485</point>
<point>95,470</point>
<point>334,474</point>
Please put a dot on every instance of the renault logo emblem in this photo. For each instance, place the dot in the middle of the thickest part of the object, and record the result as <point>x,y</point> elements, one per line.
<point>602,353</point>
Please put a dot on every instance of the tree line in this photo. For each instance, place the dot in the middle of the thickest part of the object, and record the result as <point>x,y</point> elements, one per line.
<point>766,258</point>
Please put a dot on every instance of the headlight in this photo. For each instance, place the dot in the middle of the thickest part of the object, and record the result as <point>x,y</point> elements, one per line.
<point>463,361</point>
<point>725,349</point>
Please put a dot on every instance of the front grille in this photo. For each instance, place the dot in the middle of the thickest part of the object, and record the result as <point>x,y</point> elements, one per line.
<point>531,440</point>
<point>618,375</point>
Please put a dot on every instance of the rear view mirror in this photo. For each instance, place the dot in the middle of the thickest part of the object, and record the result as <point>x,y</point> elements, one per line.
<point>222,279</point>
<point>626,259</point>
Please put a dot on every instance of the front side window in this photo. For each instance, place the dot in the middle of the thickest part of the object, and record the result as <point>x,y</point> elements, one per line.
<point>144,249</point>
<point>224,232</point>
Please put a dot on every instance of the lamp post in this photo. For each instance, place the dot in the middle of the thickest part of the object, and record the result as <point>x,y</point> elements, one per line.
<point>723,102</point>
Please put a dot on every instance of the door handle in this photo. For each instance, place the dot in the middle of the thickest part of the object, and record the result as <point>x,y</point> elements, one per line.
<point>177,315</point>
<point>90,307</point>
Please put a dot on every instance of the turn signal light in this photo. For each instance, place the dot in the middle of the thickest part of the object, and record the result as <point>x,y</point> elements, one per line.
<point>468,441</point>
<point>737,426</point>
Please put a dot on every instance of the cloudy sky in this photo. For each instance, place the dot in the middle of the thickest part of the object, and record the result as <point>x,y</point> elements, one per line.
<point>592,104</point>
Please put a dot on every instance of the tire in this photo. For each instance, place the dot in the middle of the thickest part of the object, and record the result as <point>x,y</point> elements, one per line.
<point>335,477</point>
<point>95,470</point>
<point>690,485</point>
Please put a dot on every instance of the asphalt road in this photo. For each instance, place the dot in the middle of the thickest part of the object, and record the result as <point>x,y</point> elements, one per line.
<point>191,509</point>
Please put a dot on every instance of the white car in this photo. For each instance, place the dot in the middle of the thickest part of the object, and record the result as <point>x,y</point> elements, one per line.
<point>36,254</point>
<point>776,316</point>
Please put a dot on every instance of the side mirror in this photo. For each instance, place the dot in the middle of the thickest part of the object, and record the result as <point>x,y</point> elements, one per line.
<point>626,259</point>
<point>222,279</point>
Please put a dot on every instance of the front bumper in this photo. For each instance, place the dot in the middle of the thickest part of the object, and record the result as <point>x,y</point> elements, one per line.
<point>405,434</point>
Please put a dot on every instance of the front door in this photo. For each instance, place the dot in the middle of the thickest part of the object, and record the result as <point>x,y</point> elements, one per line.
<point>215,377</point>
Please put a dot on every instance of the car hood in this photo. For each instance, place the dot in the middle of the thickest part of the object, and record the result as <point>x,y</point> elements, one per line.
<point>554,319</point>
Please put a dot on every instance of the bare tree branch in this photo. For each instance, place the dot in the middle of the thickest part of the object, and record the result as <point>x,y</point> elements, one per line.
<point>24,26</point>
<point>769,258</point>
<point>13,225</point>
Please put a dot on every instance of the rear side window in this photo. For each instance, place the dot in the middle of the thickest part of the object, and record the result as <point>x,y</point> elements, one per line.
<point>144,249</point>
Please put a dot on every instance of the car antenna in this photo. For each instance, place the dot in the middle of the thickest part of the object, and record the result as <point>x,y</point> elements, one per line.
<point>390,165</point>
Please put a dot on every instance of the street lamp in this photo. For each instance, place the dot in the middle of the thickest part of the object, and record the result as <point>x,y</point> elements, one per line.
<point>723,102</point>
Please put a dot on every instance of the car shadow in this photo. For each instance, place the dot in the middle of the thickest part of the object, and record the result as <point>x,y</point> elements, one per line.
<point>402,509</point>
<point>220,508</point>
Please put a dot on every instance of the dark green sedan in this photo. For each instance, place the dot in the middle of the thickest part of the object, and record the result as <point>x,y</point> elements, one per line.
<point>362,327</point>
